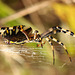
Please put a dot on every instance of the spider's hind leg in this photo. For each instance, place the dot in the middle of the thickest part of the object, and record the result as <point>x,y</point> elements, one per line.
<point>62,45</point>
<point>52,49</point>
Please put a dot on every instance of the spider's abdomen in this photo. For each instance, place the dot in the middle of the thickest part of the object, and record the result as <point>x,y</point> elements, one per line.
<point>15,34</point>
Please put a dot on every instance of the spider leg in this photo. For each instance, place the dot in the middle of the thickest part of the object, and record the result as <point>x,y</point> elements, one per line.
<point>42,43</point>
<point>52,49</point>
<point>12,31</point>
<point>24,33</point>
<point>35,34</point>
<point>56,29</point>
<point>59,29</point>
<point>12,42</point>
<point>62,45</point>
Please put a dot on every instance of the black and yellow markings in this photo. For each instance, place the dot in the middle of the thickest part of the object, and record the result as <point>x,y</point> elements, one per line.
<point>9,32</point>
<point>2,29</point>
<point>60,44</point>
<point>23,31</point>
<point>12,30</point>
<point>15,42</point>
<point>57,29</point>
<point>35,34</point>
<point>22,34</point>
<point>48,39</point>
<point>65,31</point>
<point>71,33</point>
<point>52,51</point>
<point>20,27</point>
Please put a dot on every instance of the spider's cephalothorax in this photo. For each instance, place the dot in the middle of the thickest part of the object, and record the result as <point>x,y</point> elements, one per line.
<point>21,34</point>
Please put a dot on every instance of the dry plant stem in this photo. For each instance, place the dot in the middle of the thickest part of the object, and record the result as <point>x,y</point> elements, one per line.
<point>34,16</point>
<point>25,12</point>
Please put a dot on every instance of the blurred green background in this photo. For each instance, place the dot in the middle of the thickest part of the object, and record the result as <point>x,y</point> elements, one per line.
<point>40,15</point>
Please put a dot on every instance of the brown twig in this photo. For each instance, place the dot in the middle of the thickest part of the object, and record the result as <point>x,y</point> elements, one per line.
<point>26,11</point>
<point>35,18</point>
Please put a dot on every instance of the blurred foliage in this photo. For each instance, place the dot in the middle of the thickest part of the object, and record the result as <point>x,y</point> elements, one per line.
<point>66,13</point>
<point>4,13</point>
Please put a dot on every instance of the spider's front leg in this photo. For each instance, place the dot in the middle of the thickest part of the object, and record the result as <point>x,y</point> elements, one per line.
<point>42,43</point>
<point>60,29</point>
<point>37,38</point>
<point>50,37</point>
<point>52,49</point>
<point>35,34</point>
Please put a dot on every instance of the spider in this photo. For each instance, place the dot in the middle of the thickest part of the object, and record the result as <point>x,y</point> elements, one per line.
<point>21,34</point>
